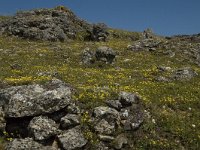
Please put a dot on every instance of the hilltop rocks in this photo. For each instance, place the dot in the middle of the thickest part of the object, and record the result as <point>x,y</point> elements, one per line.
<point>102,54</point>
<point>58,24</point>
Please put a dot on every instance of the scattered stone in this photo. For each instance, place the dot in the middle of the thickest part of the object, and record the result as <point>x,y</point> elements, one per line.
<point>148,33</point>
<point>120,141</point>
<point>42,128</point>
<point>127,99</point>
<point>101,146</point>
<point>73,109</point>
<point>109,114</point>
<point>70,120</point>
<point>72,139</point>
<point>103,127</point>
<point>26,144</point>
<point>170,53</point>
<point>163,68</point>
<point>32,100</point>
<point>99,32</point>
<point>184,74</point>
<point>105,54</point>
<point>162,79</point>
<point>88,56</point>
<point>106,138</point>
<point>145,44</point>
<point>114,104</point>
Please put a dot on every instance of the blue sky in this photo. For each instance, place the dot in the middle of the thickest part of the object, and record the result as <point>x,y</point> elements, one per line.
<point>165,17</point>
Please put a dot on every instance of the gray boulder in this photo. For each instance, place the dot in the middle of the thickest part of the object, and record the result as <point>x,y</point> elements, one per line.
<point>111,115</point>
<point>99,32</point>
<point>116,104</point>
<point>103,127</point>
<point>26,144</point>
<point>120,141</point>
<point>145,44</point>
<point>72,139</point>
<point>42,128</point>
<point>127,99</point>
<point>105,54</point>
<point>73,109</point>
<point>32,100</point>
<point>88,56</point>
<point>101,146</point>
<point>184,74</point>
<point>70,120</point>
<point>132,117</point>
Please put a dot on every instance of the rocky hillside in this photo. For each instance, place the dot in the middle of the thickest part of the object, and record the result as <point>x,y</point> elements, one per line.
<point>66,84</point>
<point>58,24</point>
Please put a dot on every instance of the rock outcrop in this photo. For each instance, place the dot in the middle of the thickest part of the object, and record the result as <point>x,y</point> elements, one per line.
<point>58,24</point>
<point>45,117</point>
<point>32,100</point>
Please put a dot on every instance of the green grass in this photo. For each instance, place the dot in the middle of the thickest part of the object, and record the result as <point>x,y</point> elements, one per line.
<point>173,105</point>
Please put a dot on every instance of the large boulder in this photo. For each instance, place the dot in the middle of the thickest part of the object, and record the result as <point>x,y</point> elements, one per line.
<point>102,54</point>
<point>127,99</point>
<point>72,139</point>
<point>42,128</point>
<point>32,100</point>
<point>105,53</point>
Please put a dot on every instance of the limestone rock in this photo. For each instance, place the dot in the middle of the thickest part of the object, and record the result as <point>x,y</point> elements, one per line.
<point>120,141</point>
<point>72,139</point>
<point>42,128</point>
<point>32,100</point>
<point>103,127</point>
<point>70,120</point>
<point>105,53</point>
<point>127,99</point>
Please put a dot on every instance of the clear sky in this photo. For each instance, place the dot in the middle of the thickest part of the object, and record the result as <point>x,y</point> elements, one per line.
<point>165,17</point>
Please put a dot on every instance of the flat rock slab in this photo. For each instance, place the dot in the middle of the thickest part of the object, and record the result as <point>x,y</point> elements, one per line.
<point>32,100</point>
<point>72,139</point>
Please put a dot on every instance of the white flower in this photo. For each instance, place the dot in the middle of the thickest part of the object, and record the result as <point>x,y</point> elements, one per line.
<point>193,125</point>
<point>154,121</point>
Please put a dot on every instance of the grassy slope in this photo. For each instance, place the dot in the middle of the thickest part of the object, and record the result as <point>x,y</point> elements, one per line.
<point>167,103</point>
